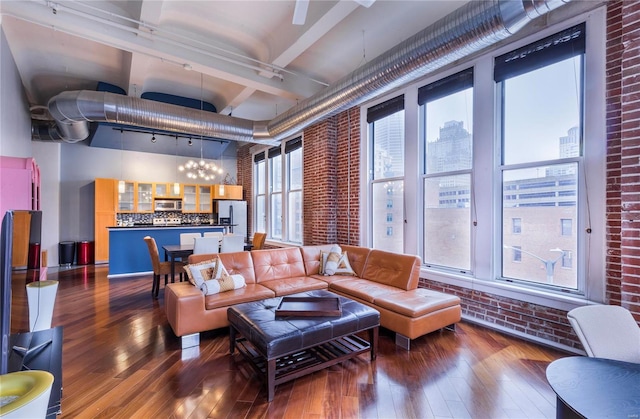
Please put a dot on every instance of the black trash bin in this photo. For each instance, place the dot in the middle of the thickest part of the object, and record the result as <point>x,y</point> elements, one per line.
<point>84,254</point>
<point>66,253</point>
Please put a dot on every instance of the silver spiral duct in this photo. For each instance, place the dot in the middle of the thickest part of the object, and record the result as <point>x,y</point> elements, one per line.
<point>471,28</point>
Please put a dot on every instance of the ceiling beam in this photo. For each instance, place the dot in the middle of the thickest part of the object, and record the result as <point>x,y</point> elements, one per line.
<point>152,45</point>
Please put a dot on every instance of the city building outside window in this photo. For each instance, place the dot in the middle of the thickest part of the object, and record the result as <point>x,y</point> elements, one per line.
<point>278,191</point>
<point>386,133</point>
<point>447,108</point>
<point>541,89</point>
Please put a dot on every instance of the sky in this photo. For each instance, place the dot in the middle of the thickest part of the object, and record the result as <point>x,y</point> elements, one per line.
<point>541,107</point>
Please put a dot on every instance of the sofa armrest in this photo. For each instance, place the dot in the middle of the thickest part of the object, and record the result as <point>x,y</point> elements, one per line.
<point>183,305</point>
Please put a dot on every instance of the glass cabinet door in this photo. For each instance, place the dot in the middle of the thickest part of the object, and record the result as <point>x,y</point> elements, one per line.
<point>126,199</point>
<point>145,197</point>
<point>204,198</point>
<point>189,198</point>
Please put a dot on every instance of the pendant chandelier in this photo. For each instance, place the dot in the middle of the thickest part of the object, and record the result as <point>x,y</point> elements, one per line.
<point>200,170</point>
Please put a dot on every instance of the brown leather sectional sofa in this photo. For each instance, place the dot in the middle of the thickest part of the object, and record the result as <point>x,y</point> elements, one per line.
<point>384,280</point>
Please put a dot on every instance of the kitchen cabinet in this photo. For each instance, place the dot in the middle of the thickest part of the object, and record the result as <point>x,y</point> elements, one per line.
<point>144,194</point>
<point>204,198</point>
<point>227,192</point>
<point>189,198</point>
<point>166,190</point>
<point>126,199</point>
<point>105,205</point>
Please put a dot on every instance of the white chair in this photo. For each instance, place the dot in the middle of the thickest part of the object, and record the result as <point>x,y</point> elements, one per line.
<point>217,234</point>
<point>205,245</point>
<point>232,243</point>
<point>607,331</point>
<point>187,238</point>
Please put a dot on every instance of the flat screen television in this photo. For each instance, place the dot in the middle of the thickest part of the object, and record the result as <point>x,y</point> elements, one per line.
<point>31,222</point>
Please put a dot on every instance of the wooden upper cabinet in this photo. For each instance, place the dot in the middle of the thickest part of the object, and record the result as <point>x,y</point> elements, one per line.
<point>166,190</point>
<point>106,195</point>
<point>227,192</point>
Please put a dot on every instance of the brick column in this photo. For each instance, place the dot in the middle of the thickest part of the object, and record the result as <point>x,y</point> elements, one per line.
<point>629,117</point>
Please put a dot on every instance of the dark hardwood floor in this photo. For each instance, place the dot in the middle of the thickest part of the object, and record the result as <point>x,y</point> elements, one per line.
<point>122,360</point>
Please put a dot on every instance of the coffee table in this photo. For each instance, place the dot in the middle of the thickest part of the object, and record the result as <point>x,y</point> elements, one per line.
<point>281,349</point>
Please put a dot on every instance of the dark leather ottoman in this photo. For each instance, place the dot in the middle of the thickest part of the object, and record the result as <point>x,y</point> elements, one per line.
<point>283,349</point>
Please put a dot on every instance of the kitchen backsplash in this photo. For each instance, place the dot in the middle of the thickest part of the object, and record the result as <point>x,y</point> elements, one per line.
<point>190,218</point>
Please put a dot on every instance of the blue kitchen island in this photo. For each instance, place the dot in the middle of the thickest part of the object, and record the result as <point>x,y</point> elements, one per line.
<point>128,253</point>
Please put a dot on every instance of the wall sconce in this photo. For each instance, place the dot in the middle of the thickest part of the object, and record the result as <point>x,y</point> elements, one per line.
<point>190,142</point>
<point>153,138</point>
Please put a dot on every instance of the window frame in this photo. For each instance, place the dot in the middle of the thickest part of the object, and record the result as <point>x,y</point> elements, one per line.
<point>283,191</point>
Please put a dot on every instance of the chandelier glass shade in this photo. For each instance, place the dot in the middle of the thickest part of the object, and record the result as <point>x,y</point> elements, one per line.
<point>200,170</point>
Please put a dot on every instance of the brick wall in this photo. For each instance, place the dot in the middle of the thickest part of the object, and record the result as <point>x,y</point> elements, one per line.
<point>320,183</point>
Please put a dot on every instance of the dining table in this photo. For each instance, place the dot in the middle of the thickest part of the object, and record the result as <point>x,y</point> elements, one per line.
<point>182,252</point>
<point>176,251</point>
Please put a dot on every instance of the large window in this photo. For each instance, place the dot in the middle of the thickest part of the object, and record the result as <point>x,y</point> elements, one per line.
<point>493,169</point>
<point>260,188</point>
<point>386,130</point>
<point>278,191</point>
<point>541,87</point>
<point>447,110</point>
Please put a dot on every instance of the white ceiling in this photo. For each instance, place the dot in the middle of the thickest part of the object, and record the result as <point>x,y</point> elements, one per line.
<point>145,46</point>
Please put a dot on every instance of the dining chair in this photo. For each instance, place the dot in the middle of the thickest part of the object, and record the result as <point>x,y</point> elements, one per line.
<point>206,245</point>
<point>607,331</point>
<point>187,238</point>
<point>159,268</point>
<point>258,241</point>
<point>217,234</point>
<point>232,243</point>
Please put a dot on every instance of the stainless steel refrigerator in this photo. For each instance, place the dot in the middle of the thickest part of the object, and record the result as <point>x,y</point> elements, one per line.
<point>234,213</point>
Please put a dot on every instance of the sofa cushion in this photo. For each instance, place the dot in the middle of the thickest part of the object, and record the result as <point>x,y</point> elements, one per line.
<point>206,270</point>
<point>416,303</point>
<point>225,284</point>
<point>395,269</point>
<point>239,263</point>
<point>273,264</point>
<point>363,289</point>
<point>251,292</point>
<point>357,257</point>
<point>311,257</point>
<point>293,285</point>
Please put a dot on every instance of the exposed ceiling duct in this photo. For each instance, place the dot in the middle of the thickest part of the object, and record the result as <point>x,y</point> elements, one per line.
<point>469,29</point>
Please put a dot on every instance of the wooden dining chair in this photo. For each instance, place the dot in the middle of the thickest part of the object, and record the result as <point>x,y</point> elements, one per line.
<point>258,241</point>
<point>159,268</point>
